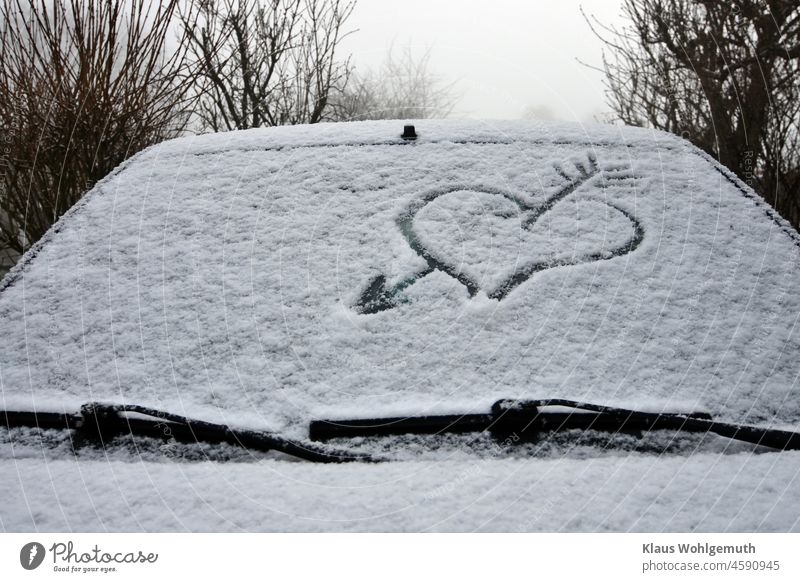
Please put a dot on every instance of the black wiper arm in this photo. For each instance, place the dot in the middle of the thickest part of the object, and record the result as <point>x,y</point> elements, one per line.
<point>102,422</point>
<point>525,420</point>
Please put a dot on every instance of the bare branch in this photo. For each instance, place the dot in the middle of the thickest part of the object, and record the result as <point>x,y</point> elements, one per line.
<point>404,88</point>
<point>723,75</point>
<point>83,85</point>
<point>266,62</point>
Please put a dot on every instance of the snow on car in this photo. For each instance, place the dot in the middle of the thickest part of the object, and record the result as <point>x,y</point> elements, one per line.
<point>271,278</point>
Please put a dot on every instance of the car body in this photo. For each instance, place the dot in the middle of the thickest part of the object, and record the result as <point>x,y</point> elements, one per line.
<point>267,278</point>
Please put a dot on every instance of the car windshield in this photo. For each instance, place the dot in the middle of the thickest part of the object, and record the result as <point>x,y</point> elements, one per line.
<point>269,279</point>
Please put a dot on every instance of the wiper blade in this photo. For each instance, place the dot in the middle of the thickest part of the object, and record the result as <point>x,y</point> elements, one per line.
<point>523,419</point>
<point>526,420</point>
<point>101,423</point>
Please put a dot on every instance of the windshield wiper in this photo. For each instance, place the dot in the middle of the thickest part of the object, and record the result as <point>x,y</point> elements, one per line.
<point>101,423</point>
<point>526,420</point>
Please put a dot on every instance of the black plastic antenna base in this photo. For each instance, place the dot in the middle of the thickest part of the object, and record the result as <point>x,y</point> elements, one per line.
<point>409,133</point>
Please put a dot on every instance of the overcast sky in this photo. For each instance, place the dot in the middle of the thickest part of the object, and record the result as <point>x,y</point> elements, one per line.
<point>505,55</point>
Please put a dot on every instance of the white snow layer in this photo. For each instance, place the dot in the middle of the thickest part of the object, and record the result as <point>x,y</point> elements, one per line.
<point>220,277</point>
<point>727,493</point>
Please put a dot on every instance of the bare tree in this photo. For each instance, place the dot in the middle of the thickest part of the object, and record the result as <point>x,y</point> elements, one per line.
<point>722,74</point>
<point>83,85</point>
<point>266,62</point>
<point>403,88</point>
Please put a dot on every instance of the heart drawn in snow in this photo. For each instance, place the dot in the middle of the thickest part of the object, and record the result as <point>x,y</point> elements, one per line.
<point>494,241</point>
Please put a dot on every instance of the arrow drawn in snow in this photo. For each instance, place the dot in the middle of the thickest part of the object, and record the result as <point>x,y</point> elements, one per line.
<point>377,296</point>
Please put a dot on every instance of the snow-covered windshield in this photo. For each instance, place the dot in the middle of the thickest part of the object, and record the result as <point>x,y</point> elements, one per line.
<point>271,277</point>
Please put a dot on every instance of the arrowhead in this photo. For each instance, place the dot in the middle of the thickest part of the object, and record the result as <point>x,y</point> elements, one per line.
<point>376,297</point>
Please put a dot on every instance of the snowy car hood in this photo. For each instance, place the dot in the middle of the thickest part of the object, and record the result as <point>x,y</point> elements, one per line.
<point>269,277</point>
